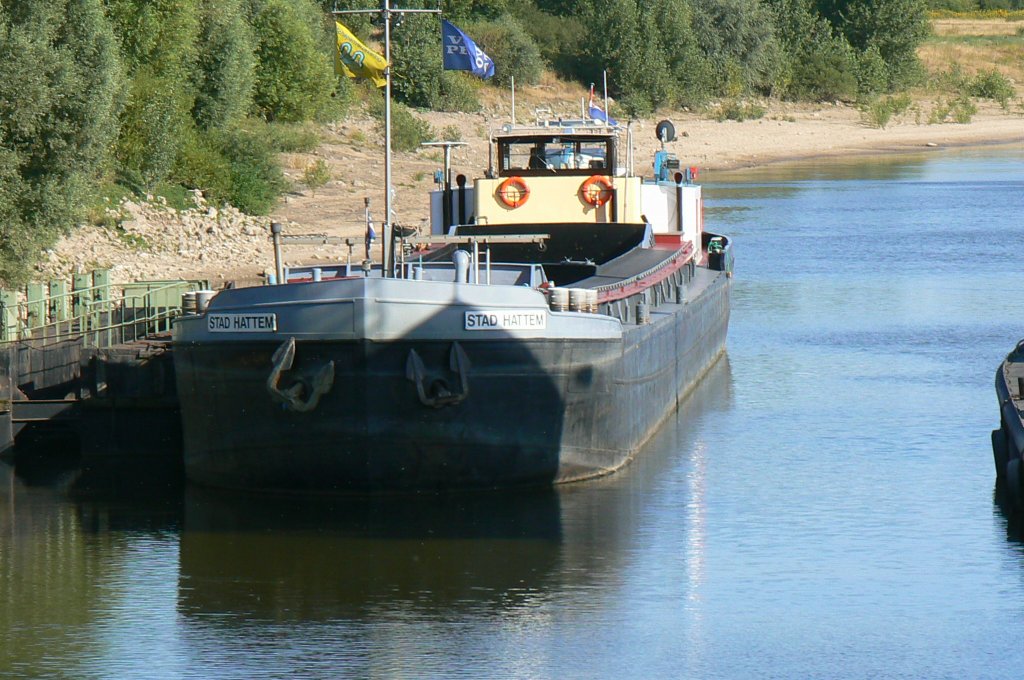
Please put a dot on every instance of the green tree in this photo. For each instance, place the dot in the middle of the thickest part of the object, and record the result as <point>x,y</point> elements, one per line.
<point>738,36</point>
<point>59,82</point>
<point>514,53</point>
<point>466,10</point>
<point>294,74</point>
<point>416,61</point>
<point>159,41</point>
<point>894,27</point>
<point>819,64</point>
<point>225,67</point>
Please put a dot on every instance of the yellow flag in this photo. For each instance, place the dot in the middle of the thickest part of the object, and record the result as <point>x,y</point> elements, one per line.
<point>356,60</point>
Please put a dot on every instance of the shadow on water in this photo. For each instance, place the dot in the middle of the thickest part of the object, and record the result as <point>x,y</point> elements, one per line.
<point>271,558</point>
<point>319,559</point>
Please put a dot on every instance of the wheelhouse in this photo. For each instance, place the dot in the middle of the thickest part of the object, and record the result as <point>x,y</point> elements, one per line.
<point>566,153</point>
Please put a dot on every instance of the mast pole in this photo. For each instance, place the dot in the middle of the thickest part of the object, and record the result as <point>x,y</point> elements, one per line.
<point>386,236</point>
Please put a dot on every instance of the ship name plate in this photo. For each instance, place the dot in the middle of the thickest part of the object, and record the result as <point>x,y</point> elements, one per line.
<point>506,320</point>
<point>242,323</point>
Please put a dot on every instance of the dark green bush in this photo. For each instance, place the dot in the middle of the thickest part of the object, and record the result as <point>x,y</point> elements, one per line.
<point>514,53</point>
<point>59,81</point>
<point>872,73</point>
<point>234,166</point>
<point>225,65</point>
<point>287,137</point>
<point>894,27</point>
<point>740,32</point>
<point>416,61</point>
<point>739,111</point>
<point>559,38</point>
<point>991,84</point>
<point>153,124</point>
<point>457,92</point>
<point>294,76</point>
<point>407,131</point>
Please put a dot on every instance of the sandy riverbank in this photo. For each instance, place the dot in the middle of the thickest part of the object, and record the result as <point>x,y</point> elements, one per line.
<point>219,246</point>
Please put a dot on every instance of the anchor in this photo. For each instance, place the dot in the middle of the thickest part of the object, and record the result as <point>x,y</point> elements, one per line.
<point>292,397</point>
<point>438,395</point>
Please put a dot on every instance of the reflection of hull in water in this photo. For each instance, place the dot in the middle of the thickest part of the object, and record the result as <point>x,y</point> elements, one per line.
<point>541,408</point>
<point>303,559</point>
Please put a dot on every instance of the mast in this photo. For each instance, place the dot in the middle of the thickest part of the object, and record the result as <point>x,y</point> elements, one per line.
<point>386,11</point>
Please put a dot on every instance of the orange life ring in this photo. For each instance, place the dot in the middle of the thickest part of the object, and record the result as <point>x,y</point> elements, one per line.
<point>515,198</point>
<point>597,190</point>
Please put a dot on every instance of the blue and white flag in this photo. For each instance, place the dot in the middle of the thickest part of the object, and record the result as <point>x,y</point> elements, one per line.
<point>462,54</point>
<point>596,112</point>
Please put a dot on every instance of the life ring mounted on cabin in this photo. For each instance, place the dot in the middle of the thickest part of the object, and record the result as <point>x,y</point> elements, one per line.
<point>513,192</point>
<point>597,190</point>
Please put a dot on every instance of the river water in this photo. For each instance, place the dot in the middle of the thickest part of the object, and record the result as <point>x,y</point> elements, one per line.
<point>823,507</point>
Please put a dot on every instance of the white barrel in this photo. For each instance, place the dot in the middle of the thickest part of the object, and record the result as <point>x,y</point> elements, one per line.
<point>203,298</point>
<point>188,302</point>
<point>559,299</point>
<point>577,300</point>
<point>591,300</point>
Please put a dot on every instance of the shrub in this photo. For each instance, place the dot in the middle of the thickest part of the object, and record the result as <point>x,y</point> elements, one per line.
<point>407,131</point>
<point>822,76</point>
<point>514,53</point>
<point>316,175</point>
<point>964,109</point>
<point>225,65</point>
<point>155,120</point>
<point>294,79</point>
<point>59,80</point>
<point>872,73</point>
<point>993,85</point>
<point>894,27</point>
<point>739,111</point>
<point>960,108</point>
<point>559,39</point>
<point>457,92</point>
<point>740,32</point>
<point>288,137</point>
<point>236,167</point>
<point>416,61</point>
<point>880,112</point>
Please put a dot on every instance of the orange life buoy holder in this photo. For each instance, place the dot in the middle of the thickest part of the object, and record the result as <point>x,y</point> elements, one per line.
<point>597,190</point>
<point>518,195</point>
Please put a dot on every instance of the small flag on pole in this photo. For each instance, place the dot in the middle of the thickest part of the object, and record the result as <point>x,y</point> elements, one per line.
<point>462,54</point>
<point>354,59</point>
<point>596,112</point>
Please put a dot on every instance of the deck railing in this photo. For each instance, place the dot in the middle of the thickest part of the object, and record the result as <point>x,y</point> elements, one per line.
<point>92,308</point>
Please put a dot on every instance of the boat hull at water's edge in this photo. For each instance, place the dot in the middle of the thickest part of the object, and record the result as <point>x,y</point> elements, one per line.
<point>420,411</point>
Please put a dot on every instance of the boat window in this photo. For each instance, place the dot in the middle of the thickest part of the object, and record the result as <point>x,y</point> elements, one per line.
<point>570,156</point>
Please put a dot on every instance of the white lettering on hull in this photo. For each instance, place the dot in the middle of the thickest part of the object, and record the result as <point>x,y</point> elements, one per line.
<point>241,323</point>
<point>507,320</point>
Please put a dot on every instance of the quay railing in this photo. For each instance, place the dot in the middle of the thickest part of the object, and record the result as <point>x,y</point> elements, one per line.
<point>91,308</point>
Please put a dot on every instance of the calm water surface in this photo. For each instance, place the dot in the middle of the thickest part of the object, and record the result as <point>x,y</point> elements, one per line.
<point>823,508</point>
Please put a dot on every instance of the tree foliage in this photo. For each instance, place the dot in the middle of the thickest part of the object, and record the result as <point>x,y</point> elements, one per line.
<point>294,76</point>
<point>59,85</point>
<point>225,66</point>
<point>151,90</point>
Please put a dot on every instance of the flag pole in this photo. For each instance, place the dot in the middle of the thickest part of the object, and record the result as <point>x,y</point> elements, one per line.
<point>386,235</point>
<point>513,101</point>
<point>386,10</point>
<point>607,112</point>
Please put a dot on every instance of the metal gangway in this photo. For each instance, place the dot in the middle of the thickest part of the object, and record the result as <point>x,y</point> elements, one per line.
<point>49,330</point>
